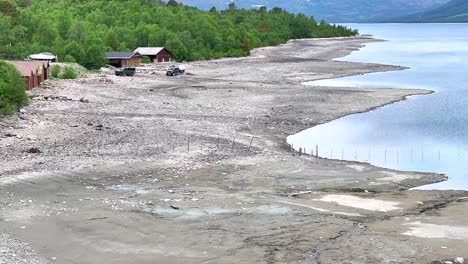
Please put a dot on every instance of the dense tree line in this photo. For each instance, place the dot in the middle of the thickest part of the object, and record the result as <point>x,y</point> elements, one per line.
<point>81,30</point>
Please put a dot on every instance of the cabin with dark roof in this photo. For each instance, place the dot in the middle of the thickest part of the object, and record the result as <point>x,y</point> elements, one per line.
<point>122,59</point>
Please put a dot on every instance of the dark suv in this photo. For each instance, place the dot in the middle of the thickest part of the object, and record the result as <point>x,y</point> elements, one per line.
<point>173,71</point>
<point>128,71</point>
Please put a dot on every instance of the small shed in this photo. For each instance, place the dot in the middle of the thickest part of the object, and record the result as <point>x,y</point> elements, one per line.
<point>33,72</point>
<point>44,56</point>
<point>155,54</point>
<point>121,59</point>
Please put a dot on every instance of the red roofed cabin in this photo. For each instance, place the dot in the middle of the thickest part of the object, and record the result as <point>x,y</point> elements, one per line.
<point>156,54</point>
<point>33,72</point>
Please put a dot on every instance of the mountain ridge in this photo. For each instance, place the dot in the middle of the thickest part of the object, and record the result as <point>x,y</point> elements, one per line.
<point>335,11</point>
<point>455,11</point>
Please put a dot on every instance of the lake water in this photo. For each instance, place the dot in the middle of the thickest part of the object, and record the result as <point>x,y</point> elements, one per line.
<point>425,133</point>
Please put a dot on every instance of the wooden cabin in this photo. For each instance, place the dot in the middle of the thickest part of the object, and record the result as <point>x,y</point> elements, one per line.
<point>122,59</point>
<point>155,54</point>
<point>33,72</point>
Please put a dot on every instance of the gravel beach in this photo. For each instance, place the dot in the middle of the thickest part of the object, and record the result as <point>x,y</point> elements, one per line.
<point>196,169</point>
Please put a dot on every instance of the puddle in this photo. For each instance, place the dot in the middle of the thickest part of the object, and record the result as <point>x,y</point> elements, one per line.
<point>194,213</point>
<point>130,188</point>
<point>361,203</point>
<point>424,230</point>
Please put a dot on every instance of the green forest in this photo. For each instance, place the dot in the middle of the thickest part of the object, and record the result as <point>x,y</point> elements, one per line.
<point>82,30</point>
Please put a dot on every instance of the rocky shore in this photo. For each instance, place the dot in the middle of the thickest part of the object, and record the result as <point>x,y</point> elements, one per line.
<point>195,169</point>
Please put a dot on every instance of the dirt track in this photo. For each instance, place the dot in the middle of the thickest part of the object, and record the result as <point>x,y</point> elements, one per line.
<point>194,169</point>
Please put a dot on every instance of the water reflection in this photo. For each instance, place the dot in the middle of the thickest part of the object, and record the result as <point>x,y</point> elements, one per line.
<point>425,133</point>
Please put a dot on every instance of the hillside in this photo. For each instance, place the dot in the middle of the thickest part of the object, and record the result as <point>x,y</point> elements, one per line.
<point>456,11</point>
<point>82,30</point>
<point>335,10</point>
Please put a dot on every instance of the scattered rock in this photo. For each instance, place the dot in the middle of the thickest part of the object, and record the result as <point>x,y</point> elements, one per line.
<point>34,150</point>
<point>300,193</point>
<point>10,135</point>
<point>174,207</point>
<point>84,100</point>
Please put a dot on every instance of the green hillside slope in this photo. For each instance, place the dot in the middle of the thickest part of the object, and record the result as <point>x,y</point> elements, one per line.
<point>82,30</point>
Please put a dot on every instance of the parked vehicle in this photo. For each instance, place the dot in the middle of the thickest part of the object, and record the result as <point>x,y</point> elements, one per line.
<point>175,70</point>
<point>127,71</point>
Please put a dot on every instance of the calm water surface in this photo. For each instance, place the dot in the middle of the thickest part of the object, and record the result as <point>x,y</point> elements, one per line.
<point>425,133</point>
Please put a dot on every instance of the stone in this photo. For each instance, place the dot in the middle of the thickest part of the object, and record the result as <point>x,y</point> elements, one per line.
<point>459,260</point>
<point>84,100</point>
<point>34,150</point>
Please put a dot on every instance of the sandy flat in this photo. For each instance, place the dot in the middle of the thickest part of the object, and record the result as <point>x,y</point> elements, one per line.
<point>361,203</point>
<point>426,230</point>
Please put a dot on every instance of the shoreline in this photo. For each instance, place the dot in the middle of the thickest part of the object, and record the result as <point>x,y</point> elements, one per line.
<point>150,159</point>
<point>440,177</point>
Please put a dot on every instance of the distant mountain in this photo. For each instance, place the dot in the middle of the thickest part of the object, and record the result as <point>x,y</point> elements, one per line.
<point>334,10</point>
<point>453,11</point>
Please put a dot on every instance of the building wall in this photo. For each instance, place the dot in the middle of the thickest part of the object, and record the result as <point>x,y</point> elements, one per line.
<point>119,63</point>
<point>29,82</point>
<point>163,56</point>
<point>133,62</point>
<point>36,80</point>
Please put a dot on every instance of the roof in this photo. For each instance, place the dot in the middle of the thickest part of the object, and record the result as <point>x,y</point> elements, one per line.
<point>120,54</point>
<point>150,51</point>
<point>42,56</point>
<point>28,67</point>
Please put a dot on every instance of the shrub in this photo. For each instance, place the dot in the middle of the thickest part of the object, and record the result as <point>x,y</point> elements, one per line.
<point>12,89</point>
<point>68,73</point>
<point>56,71</point>
<point>69,58</point>
<point>145,59</point>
